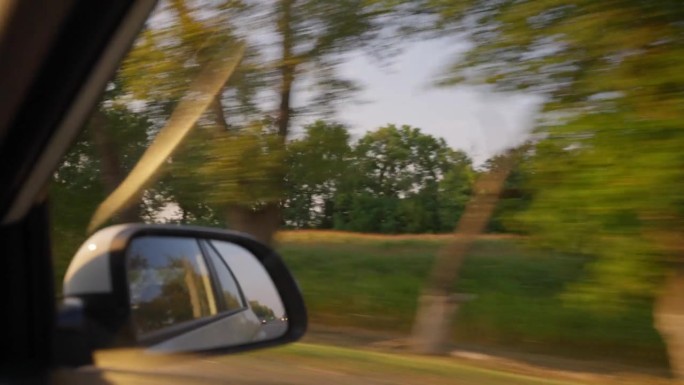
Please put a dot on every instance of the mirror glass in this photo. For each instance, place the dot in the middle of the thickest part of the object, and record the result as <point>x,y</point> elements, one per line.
<point>190,294</point>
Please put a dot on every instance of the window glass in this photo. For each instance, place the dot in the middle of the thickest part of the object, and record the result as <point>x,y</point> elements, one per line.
<point>169,283</point>
<point>525,156</point>
<point>228,287</point>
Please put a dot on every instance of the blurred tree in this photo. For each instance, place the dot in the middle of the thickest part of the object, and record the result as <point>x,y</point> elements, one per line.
<point>514,199</point>
<point>607,175</point>
<point>302,43</point>
<point>311,35</point>
<point>180,40</point>
<point>262,311</point>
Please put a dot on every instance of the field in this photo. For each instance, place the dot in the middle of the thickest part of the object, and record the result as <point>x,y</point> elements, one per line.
<point>372,282</point>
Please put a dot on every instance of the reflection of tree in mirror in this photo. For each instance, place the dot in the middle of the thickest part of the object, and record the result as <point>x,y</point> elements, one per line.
<point>262,311</point>
<point>136,279</point>
<point>167,309</point>
<point>168,294</point>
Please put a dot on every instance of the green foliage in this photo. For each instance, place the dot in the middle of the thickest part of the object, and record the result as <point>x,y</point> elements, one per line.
<point>233,158</point>
<point>77,187</point>
<point>606,178</point>
<point>425,190</point>
<point>403,181</point>
<point>515,199</point>
<point>220,170</point>
<point>316,162</point>
<point>176,44</point>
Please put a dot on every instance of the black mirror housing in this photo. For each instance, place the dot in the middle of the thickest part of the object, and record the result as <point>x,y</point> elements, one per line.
<point>98,282</point>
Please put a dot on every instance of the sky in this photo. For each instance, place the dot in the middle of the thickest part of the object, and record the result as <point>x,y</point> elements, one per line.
<point>474,119</point>
<point>255,282</point>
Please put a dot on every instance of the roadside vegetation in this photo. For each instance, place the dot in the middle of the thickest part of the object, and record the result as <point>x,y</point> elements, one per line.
<point>372,281</point>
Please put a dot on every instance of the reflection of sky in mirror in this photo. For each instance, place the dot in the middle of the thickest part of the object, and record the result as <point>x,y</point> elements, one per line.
<point>255,282</point>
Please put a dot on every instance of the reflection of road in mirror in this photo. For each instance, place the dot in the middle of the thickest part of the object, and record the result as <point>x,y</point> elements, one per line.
<point>273,329</point>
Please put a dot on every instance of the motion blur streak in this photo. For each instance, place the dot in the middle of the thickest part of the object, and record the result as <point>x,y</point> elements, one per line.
<point>200,94</point>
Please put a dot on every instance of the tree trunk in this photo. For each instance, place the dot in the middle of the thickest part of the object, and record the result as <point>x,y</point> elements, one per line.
<point>668,316</point>
<point>219,115</point>
<point>262,224</point>
<point>111,171</point>
<point>287,68</point>
<point>437,305</point>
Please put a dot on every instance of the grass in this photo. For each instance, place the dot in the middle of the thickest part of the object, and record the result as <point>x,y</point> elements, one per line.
<point>373,281</point>
<point>408,368</point>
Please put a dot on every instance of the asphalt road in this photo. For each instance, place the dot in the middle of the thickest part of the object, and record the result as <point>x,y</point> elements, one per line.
<point>274,329</point>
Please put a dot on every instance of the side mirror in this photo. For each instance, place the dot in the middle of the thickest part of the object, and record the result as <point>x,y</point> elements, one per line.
<point>183,289</point>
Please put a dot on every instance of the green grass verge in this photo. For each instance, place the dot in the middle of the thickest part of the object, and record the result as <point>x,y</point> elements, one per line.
<point>374,283</point>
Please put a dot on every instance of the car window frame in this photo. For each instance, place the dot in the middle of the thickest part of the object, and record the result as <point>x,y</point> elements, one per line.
<point>207,247</point>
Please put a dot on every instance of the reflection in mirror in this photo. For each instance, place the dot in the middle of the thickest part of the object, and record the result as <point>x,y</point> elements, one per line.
<point>168,283</point>
<point>263,300</point>
<point>189,295</point>
<point>230,296</point>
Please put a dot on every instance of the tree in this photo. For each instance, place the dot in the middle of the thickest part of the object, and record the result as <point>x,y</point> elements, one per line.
<point>172,55</point>
<point>315,163</point>
<point>514,199</point>
<point>402,181</point>
<point>264,312</point>
<point>607,176</point>
<point>309,37</point>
